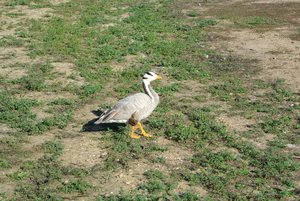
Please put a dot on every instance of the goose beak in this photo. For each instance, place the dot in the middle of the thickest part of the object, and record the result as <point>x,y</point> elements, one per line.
<point>158,78</point>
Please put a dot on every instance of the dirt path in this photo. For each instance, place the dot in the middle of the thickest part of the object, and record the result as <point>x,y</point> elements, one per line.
<point>276,52</point>
<point>275,48</point>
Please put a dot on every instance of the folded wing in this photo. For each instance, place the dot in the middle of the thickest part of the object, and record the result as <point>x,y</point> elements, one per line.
<point>136,104</point>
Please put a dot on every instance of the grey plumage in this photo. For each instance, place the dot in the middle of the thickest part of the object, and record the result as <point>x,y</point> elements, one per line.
<point>134,108</point>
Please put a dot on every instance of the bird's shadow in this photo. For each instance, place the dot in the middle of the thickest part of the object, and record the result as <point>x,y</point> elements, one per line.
<point>90,126</point>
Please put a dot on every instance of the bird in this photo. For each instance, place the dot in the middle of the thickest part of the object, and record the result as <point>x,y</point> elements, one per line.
<point>134,108</point>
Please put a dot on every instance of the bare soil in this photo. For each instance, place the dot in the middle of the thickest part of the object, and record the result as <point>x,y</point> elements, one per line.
<point>277,50</point>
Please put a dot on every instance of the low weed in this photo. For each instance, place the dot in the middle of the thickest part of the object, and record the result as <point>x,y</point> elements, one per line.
<point>168,90</point>
<point>53,147</point>
<point>62,101</point>
<point>160,159</point>
<point>256,21</point>
<point>4,164</point>
<point>154,186</point>
<point>31,82</point>
<point>213,160</point>
<point>126,150</point>
<point>186,196</point>
<point>78,186</point>
<point>207,23</point>
<point>80,172</point>
<point>17,2</point>
<point>19,175</point>
<point>35,80</point>
<point>151,174</point>
<point>90,89</point>
<point>47,123</point>
<point>11,41</point>
<point>272,125</point>
<point>271,164</point>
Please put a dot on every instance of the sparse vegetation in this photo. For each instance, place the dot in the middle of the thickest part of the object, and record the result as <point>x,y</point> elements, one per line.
<point>110,44</point>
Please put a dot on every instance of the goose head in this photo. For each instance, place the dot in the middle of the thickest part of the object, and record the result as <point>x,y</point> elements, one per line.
<point>150,76</point>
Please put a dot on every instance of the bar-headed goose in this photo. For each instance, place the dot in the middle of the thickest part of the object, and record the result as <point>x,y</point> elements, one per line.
<point>134,108</point>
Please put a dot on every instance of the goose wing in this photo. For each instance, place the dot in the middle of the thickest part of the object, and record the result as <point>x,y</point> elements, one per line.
<point>124,109</point>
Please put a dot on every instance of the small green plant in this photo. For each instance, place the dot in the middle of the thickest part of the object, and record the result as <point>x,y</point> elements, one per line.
<point>271,165</point>
<point>159,160</point>
<point>17,2</point>
<point>154,174</point>
<point>89,89</point>
<point>79,186</point>
<point>80,172</point>
<point>206,23</point>
<point>276,125</point>
<point>62,101</point>
<point>19,175</point>
<point>154,186</point>
<point>121,147</point>
<point>192,14</point>
<point>214,160</point>
<point>31,82</point>
<point>169,90</point>
<point>4,164</point>
<point>187,196</point>
<point>213,182</point>
<point>256,21</point>
<point>53,147</point>
<point>155,147</point>
<point>278,143</point>
<point>11,41</point>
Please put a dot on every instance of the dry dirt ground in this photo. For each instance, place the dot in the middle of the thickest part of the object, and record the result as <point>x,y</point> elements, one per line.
<point>277,51</point>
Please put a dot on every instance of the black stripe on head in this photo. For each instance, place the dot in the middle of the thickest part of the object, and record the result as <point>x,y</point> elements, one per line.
<point>148,73</point>
<point>145,78</point>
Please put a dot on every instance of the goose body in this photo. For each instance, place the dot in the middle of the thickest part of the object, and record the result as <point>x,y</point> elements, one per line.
<point>134,108</point>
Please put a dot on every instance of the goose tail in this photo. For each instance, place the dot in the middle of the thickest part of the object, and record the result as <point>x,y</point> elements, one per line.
<point>106,116</point>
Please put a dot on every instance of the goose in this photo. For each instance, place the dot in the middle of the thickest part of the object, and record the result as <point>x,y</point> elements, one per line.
<point>134,108</point>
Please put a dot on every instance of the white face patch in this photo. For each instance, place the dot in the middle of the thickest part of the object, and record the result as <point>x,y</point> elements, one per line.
<point>149,76</point>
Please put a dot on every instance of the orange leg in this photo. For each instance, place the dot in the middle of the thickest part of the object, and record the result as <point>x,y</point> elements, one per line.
<point>143,131</point>
<point>132,135</point>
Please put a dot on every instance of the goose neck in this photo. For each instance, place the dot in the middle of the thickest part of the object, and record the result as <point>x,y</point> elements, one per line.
<point>148,90</point>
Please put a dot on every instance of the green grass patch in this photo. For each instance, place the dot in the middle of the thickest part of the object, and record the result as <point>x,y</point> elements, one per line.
<point>78,186</point>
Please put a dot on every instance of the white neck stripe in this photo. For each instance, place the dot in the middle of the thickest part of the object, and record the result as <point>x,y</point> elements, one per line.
<point>146,88</point>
